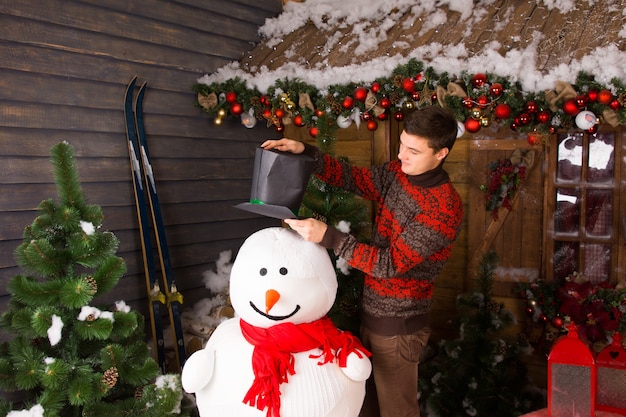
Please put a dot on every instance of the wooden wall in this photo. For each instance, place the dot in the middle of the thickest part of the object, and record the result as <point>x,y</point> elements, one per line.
<point>64,67</point>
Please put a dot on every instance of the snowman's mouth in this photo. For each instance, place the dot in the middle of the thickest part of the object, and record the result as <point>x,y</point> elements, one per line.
<point>275,318</point>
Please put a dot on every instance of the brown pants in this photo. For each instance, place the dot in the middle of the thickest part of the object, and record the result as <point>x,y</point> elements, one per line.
<point>392,389</point>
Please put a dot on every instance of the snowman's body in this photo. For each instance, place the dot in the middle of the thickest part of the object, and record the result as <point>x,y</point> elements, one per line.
<point>221,374</point>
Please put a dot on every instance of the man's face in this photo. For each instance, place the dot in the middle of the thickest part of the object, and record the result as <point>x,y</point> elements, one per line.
<point>416,156</point>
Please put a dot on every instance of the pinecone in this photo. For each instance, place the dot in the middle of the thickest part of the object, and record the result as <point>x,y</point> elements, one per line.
<point>93,285</point>
<point>138,393</point>
<point>109,378</point>
<point>493,306</point>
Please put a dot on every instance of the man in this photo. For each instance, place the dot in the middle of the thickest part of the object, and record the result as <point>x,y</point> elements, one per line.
<point>419,215</point>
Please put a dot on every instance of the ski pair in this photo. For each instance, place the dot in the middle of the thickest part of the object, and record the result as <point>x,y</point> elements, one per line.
<point>164,293</point>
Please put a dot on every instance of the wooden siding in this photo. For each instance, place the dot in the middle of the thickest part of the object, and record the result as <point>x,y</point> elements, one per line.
<point>64,67</point>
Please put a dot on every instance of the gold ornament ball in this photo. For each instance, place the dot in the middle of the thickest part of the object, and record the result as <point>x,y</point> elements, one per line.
<point>476,113</point>
<point>485,122</point>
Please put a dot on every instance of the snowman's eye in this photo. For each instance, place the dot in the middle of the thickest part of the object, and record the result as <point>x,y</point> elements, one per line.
<point>263,272</point>
<point>283,271</point>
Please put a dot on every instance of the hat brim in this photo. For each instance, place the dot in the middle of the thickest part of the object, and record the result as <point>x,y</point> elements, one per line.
<point>268,210</point>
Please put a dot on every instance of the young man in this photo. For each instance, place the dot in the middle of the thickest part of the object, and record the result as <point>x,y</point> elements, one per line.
<point>419,216</point>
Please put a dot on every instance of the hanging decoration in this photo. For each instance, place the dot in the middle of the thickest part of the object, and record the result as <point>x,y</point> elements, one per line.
<point>477,100</point>
<point>505,179</point>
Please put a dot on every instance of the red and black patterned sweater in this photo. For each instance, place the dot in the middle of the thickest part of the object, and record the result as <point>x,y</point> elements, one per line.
<point>417,221</point>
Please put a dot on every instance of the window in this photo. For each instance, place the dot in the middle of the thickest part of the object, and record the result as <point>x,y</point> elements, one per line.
<point>586,206</point>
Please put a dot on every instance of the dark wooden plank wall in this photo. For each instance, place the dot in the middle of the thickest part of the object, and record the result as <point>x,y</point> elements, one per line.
<point>64,67</point>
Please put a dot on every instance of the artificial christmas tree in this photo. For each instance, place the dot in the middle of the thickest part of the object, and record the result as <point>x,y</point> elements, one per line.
<point>66,357</point>
<point>481,372</point>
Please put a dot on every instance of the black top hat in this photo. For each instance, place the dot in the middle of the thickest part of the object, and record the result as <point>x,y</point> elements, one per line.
<point>278,183</point>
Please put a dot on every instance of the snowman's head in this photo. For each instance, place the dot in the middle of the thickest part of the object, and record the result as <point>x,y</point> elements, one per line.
<point>279,277</point>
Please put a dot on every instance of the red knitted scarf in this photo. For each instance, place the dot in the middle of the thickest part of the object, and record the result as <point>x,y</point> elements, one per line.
<point>273,361</point>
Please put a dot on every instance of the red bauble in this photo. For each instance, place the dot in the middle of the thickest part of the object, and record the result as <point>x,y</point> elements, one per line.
<point>543,116</point>
<point>280,128</point>
<point>280,113</point>
<point>472,125</point>
<point>375,87</point>
<point>557,322</point>
<point>502,111</point>
<point>433,98</point>
<point>267,113</point>
<point>236,109</point>
<point>571,107</point>
<point>366,116</point>
<point>496,89</point>
<point>408,85</point>
<point>479,80</point>
<point>360,93</point>
<point>524,118</point>
<point>382,116</point>
<point>231,96</point>
<point>531,107</point>
<point>298,120</point>
<point>530,311</point>
<point>592,95</point>
<point>313,131</point>
<point>385,103</point>
<point>319,112</point>
<point>468,103</point>
<point>399,116</point>
<point>593,129</point>
<point>533,138</point>
<point>372,125</point>
<point>615,104</point>
<point>604,96</point>
<point>482,101</point>
<point>348,103</point>
<point>416,96</point>
<point>581,100</point>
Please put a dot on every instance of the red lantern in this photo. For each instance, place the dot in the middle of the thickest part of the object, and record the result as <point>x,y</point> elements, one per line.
<point>611,377</point>
<point>571,377</point>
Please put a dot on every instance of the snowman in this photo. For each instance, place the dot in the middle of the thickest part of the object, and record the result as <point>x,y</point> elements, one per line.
<point>280,356</point>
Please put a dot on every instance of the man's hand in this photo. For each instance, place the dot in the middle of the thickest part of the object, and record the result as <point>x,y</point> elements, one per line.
<point>284,144</point>
<point>311,230</point>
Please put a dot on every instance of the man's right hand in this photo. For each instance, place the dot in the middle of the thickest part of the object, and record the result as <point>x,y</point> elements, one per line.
<point>284,144</point>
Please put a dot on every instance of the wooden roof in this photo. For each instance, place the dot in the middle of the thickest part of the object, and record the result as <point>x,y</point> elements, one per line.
<point>513,24</point>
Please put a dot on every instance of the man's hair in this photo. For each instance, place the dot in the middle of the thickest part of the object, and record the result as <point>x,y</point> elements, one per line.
<point>433,123</point>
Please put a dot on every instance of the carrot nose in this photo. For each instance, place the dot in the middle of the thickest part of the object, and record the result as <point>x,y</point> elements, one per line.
<point>271,298</point>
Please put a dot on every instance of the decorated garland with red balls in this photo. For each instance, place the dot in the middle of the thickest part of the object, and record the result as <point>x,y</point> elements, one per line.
<point>477,100</point>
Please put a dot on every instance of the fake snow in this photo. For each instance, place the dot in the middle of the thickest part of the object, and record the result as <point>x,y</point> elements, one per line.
<point>122,307</point>
<point>88,228</point>
<point>36,411</point>
<point>88,312</point>
<point>369,23</point>
<point>54,332</point>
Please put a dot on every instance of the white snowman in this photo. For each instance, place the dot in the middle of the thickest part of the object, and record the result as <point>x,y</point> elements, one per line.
<point>280,356</point>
